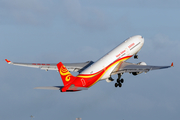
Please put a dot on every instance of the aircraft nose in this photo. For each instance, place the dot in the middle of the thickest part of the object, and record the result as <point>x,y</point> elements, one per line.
<point>142,39</point>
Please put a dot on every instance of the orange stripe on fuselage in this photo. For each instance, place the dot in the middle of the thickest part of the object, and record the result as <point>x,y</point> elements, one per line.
<point>96,76</point>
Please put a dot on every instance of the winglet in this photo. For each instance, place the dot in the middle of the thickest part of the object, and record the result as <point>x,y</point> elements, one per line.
<point>8,61</point>
<point>172,64</point>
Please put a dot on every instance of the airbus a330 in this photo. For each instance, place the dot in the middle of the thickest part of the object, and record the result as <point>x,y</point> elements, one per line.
<point>91,72</point>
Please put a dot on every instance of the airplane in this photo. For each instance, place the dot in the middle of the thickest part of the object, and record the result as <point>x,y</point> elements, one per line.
<point>114,62</point>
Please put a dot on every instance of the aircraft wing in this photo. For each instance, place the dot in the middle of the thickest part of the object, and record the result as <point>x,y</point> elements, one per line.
<point>74,67</point>
<point>125,67</point>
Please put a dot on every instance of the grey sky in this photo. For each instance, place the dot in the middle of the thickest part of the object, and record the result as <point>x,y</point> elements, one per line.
<point>78,31</point>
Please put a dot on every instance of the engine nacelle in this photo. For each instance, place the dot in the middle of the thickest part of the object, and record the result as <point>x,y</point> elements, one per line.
<point>141,63</point>
<point>137,73</point>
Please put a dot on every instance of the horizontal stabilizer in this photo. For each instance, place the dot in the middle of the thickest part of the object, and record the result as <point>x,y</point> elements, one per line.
<point>77,88</point>
<point>50,87</point>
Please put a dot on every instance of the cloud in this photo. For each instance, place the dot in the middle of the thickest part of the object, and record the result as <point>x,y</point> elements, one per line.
<point>138,3</point>
<point>28,12</point>
<point>162,43</point>
<point>43,12</point>
<point>90,17</point>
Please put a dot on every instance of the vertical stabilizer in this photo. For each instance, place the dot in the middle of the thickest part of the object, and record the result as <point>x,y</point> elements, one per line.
<point>66,76</point>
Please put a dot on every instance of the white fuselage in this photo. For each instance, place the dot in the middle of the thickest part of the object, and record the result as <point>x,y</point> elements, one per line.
<point>129,47</point>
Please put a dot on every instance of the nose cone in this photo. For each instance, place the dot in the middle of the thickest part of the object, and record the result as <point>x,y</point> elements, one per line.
<point>142,40</point>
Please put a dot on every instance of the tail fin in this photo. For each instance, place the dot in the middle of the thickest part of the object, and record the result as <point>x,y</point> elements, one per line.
<point>66,76</point>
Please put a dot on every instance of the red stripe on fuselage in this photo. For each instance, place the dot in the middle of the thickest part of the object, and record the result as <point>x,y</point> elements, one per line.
<point>118,60</point>
<point>91,79</point>
<point>87,80</point>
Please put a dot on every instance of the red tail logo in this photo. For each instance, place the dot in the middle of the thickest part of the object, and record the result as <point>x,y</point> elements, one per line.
<point>66,76</point>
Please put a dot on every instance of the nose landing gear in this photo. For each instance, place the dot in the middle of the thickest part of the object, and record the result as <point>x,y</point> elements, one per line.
<point>135,56</point>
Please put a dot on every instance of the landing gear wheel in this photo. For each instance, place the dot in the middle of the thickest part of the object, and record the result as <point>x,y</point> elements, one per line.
<point>135,56</point>
<point>118,81</point>
<point>116,84</point>
<point>122,80</point>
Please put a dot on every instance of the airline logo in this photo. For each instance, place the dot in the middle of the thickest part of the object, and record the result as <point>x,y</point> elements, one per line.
<point>64,72</point>
<point>121,53</point>
<point>131,45</point>
<point>83,82</point>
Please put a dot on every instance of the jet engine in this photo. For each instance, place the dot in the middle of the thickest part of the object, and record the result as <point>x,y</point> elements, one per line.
<point>141,63</point>
<point>137,73</point>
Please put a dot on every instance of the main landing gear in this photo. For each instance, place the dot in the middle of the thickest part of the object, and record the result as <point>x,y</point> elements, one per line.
<point>119,81</point>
